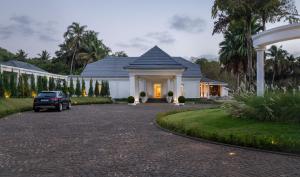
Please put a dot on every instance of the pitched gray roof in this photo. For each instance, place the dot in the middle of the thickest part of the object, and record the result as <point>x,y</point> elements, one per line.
<point>21,64</point>
<point>116,67</point>
<point>155,58</point>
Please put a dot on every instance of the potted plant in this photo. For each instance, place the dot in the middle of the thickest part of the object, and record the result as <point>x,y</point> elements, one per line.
<point>131,100</point>
<point>181,100</point>
<point>143,97</point>
<point>170,97</point>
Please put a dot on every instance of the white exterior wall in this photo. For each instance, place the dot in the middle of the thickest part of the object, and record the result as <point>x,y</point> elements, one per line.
<point>119,88</point>
<point>191,88</point>
<point>224,91</point>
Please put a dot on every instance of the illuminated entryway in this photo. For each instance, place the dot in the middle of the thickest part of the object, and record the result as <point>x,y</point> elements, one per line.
<point>157,90</point>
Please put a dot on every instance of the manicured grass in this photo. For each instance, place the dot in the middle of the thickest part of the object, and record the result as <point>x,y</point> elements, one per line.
<point>14,105</point>
<point>217,125</point>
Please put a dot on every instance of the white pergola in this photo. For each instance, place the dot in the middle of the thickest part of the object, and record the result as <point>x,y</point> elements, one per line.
<point>261,40</point>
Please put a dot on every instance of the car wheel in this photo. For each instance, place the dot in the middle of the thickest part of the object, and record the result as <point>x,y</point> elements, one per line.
<point>36,109</point>
<point>69,105</point>
<point>60,107</point>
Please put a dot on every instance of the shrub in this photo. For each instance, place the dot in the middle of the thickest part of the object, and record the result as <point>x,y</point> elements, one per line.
<point>83,90</point>
<point>77,89</point>
<point>71,88</point>
<point>272,107</point>
<point>142,94</point>
<point>32,84</point>
<point>181,99</point>
<point>170,93</point>
<point>44,83</point>
<point>130,99</point>
<point>13,84</point>
<point>58,84</point>
<point>104,89</point>
<point>1,85</point>
<point>65,87</point>
<point>91,90</point>
<point>97,89</point>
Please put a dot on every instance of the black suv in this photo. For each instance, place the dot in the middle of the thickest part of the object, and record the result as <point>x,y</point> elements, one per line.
<point>51,100</point>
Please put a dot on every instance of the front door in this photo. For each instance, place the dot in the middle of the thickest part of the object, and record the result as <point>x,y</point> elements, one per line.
<point>157,90</point>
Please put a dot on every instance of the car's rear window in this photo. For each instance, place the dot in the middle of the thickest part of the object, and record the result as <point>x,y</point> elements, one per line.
<point>47,94</point>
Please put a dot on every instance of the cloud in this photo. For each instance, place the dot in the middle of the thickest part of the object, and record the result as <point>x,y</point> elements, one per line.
<point>162,37</point>
<point>28,27</point>
<point>148,40</point>
<point>187,24</point>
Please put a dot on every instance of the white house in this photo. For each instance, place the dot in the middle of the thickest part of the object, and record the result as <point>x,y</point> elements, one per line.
<point>156,73</point>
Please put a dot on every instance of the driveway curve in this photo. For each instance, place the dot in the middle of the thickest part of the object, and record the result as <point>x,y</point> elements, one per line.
<point>121,140</point>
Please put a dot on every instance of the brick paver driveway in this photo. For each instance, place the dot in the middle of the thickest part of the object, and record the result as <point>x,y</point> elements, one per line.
<point>121,140</point>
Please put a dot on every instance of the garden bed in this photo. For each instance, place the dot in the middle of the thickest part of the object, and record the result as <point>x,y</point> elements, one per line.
<point>218,125</point>
<point>14,105</point>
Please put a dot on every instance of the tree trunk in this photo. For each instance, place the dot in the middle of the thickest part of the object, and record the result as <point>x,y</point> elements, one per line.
<point>72,61</point>
<point>249,54</point>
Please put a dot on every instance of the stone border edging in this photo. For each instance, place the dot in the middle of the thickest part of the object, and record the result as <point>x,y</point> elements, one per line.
<point>223,144</point>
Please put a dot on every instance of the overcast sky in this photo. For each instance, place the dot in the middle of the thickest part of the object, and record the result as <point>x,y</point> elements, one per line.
<point>181,28</point>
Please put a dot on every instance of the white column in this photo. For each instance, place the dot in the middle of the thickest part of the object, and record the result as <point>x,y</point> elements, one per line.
<point>260,80</point>
<point>132,83</point>
<point>168,85</point>
<point>177,88</point>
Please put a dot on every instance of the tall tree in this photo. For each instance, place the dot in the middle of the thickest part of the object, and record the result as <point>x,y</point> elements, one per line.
<point>120,54</point>
<point>44,55</point>
<point>73,38</point>
<point>71,88</point>
<point>21,55</point>
<point>13,84</point>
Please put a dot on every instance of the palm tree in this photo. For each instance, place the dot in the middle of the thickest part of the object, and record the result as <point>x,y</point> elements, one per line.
<point>277,62</point>
<point>233,50</point>
<point>74,37</point>
<point>92,48</point>
<point>21,55</point>
<point>44,55</point>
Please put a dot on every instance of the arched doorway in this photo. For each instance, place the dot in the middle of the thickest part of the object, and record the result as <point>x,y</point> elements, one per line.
<point>261,40</point>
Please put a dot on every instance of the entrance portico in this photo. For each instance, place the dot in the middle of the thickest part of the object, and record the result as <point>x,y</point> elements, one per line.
<point>155,83</point>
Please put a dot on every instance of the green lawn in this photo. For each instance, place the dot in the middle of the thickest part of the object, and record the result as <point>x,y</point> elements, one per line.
<point>14,105</point>
<point>217,125</point>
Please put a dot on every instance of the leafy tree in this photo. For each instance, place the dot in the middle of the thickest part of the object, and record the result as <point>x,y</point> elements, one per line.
<point>71,88</point>
<point>73,38</point>
<point>226,11</point>
<point>83,90</point>
<point>6,55</point>
<point>13,84</point>
<point>120,54</point>
<point>44,55</point>
<point>91,90</point>
<point>97,89</point>
<point>21,55</point>
<point>78,90</point>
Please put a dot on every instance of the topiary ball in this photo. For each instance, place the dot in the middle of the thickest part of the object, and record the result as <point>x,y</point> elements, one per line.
<point>181,99</point>
<point>130,99</point>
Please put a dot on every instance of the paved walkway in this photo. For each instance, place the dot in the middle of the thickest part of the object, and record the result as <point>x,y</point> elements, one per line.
<point>121,140</point>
